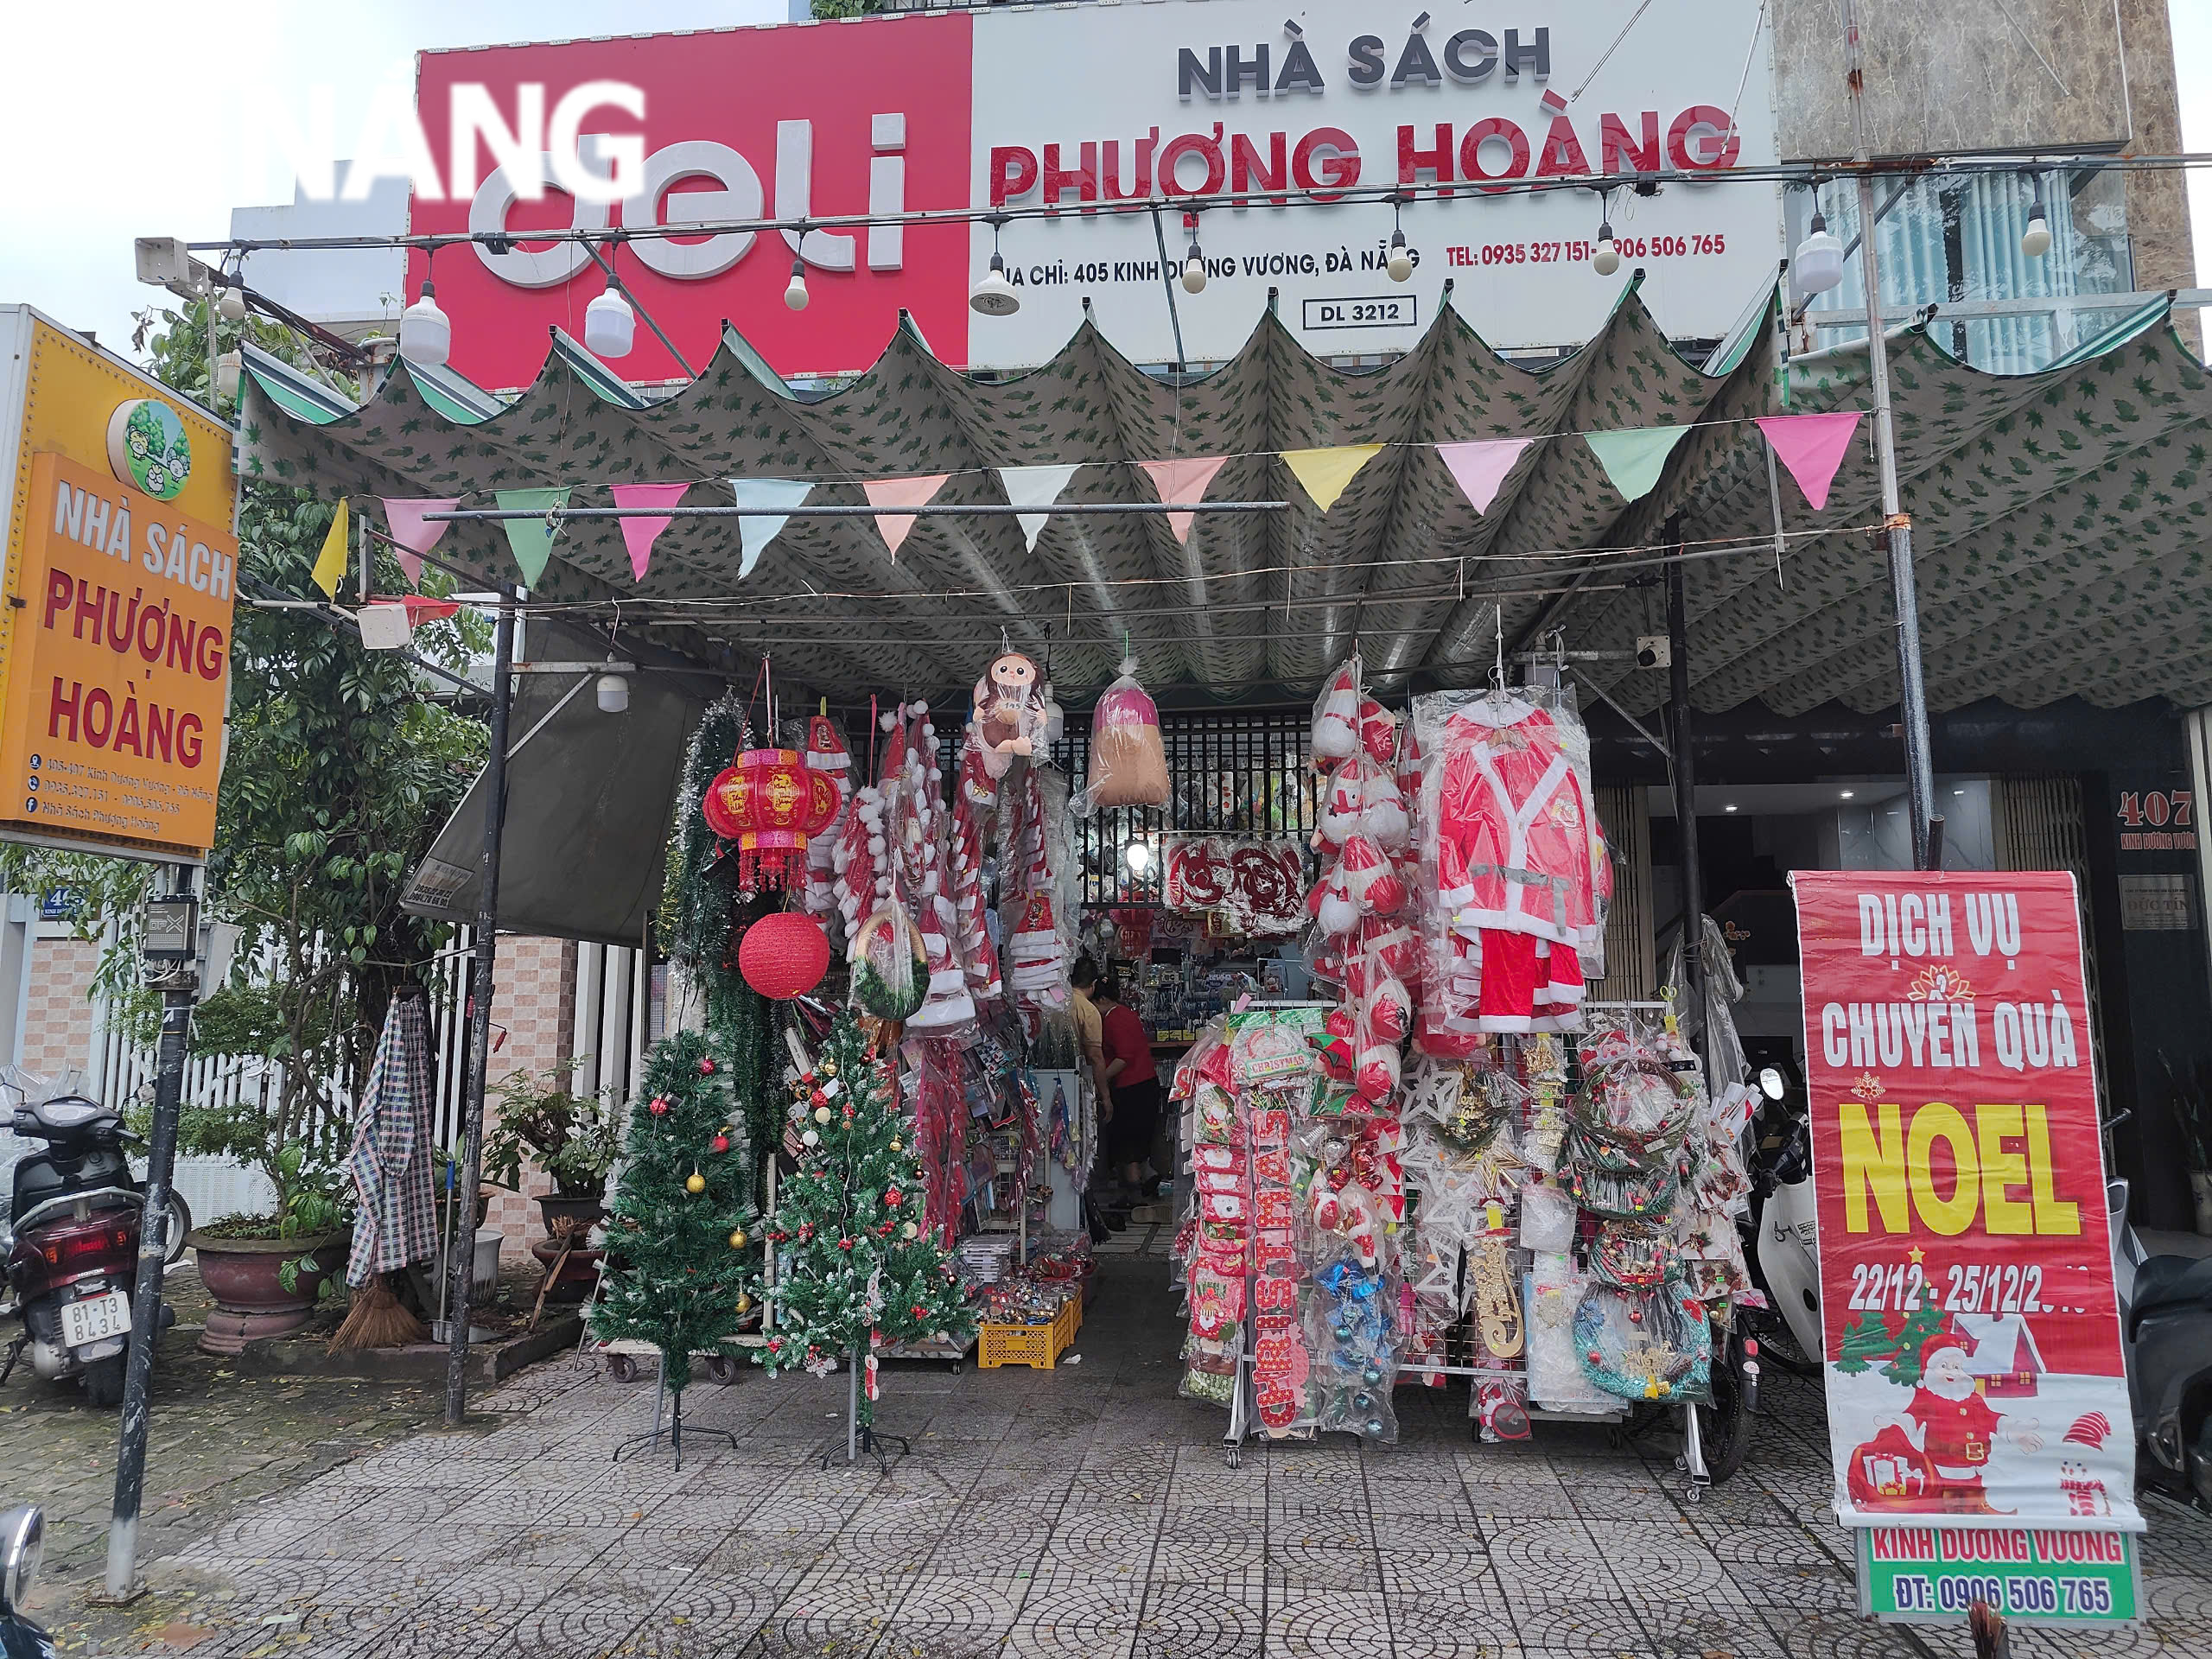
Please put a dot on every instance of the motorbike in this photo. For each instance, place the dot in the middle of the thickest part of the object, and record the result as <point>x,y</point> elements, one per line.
<point>74,1221</point>
<point>1782,1236</point>
<point>23,1534</point>
<point>2166,1325</point>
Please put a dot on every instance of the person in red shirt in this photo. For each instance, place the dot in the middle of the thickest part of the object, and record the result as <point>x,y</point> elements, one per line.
<point>1137,1100</point>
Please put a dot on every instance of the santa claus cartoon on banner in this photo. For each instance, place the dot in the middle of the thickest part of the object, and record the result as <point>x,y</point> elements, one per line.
<point>1931,1457</point>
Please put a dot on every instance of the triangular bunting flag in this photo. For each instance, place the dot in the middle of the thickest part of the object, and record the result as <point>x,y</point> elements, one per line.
<point>1633,459</point>
<point>330,563</point>
<point>1479,469</point>
<point>1183,481</point>
<point>412,533</point>
<point>753,535</point>
<point>531,540</point>
<point>1033,486</point>
<point>1325,472</point>
<point>421,610</point>
<point>1812,447</point>
<point>639,534</point>
<point>900,492</point>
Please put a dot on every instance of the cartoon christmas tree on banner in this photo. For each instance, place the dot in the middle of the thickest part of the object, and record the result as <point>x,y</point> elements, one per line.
<point>1922,1323</point>
<point>683,1225</point>
<point>856,1270</point>
<point>1867,1341</point>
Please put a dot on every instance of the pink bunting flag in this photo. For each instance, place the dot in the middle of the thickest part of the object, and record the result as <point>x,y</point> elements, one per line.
<point>639,534</point>
<point>1183,481</point>
<point>1812,447</point>
<point>1479,469</point>
<point>413,535</point>
<point>900,492</point>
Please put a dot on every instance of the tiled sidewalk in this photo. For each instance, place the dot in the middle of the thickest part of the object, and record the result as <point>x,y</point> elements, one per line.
<point>1083,1512</point>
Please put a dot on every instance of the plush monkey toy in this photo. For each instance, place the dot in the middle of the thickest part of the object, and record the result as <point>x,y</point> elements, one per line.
<point>1009,714</point>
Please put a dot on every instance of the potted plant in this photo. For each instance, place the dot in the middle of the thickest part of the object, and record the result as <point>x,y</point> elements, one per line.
<point>265,1273</point>
<point>575,1139</point>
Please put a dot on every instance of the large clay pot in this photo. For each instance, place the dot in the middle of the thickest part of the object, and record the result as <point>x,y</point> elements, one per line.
<point>578,1275</point>
<point>246,1279</point>
<point>552,1209</point>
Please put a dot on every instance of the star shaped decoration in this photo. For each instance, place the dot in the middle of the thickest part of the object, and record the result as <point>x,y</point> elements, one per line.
<point>1432,1090</point>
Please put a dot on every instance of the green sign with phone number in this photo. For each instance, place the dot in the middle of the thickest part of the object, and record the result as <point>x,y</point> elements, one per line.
<point>2031,1575</point>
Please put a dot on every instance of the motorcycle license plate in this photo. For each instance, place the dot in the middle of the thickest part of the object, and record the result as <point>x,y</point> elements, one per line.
<point>95,1319</point>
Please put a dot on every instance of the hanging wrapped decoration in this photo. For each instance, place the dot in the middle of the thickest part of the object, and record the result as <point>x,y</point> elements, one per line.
<point>771,803</point>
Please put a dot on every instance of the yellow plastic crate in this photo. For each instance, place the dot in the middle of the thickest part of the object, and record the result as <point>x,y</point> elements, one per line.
<point>1036,1346</point>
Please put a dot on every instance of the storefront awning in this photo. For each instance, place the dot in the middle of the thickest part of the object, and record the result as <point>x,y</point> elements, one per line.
<point>2057,516</point>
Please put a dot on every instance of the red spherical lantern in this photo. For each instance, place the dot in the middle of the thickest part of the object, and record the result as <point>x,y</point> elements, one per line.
<point>783,956</point>
<point>770,802</point>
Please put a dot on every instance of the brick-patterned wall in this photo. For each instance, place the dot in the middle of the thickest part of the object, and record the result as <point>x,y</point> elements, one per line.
<point>58,1019</point>
<point>534,1000</point>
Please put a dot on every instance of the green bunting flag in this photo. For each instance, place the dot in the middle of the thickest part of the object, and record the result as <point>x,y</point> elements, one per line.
<point>531,540</point>
<point>1633,459</point>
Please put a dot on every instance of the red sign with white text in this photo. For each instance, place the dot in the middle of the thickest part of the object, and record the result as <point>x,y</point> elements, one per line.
<point>1972,1332</point>
<point>745,124</point>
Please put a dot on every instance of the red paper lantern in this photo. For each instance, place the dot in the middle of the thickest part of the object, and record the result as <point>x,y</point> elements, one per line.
<point>783,956</point>
<point>770,802</point>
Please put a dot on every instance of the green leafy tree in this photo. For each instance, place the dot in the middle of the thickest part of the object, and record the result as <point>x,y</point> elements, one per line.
<point>681,1232</point>
<point>340,770</point>
<point>854,1262</point>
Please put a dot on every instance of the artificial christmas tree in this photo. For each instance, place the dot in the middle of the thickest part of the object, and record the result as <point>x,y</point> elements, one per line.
<point>855,1268</point>
<point>684,1223</point>
<point>1867,1341</point>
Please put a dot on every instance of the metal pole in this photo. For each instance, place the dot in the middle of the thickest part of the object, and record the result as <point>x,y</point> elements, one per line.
<point>461,1258</point>
<point>1685,770</point>
<point>146,1293</point>
<point>1897,524</point>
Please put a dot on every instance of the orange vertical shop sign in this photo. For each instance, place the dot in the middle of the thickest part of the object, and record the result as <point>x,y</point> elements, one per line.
<point>118,670</point>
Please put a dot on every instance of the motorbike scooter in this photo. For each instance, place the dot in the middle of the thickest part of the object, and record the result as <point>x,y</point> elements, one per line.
<point>72,1241</point>
<point>1784,1255</point>
<point>2165,1327</point>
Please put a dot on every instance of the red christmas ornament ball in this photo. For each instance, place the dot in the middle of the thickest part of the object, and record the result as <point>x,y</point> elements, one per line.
<point>706,1066</point>
<point>919,1311</point>
<point>658,1106</point>
<point>721,1143</point>
<point>783,956</point>
<point>844,1243</point>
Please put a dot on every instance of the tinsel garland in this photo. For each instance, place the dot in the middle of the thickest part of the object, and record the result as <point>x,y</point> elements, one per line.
<point>698,906</point>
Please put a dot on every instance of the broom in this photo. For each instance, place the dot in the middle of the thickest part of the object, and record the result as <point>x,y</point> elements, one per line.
<point>377,1319</point>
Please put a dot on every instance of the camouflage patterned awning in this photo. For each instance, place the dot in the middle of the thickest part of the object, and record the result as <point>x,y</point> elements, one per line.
<point>2058,516</point>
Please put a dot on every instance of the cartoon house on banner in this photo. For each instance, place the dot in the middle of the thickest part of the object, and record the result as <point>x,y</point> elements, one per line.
<point>2004,1361</point>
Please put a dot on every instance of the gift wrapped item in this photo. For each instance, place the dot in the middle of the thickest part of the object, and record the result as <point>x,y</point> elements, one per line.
<point>1129,764</point>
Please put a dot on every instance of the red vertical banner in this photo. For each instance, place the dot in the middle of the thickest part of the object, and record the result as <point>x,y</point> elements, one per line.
<point>1971,1334</point>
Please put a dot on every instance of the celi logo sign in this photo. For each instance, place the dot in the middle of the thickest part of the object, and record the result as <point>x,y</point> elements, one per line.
<point>147,449</point>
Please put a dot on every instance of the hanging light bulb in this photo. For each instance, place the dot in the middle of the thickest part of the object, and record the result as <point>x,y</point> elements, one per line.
<point>1194,269</point>
<point>425,332</point>
<point>229,305</point>
<point>2035,241</point>
<point>1606,258</point>
<point>226,374</point>
<point>1139,857</point>
<point>612,691</point>
<point>795,295</point>
<point>610,326</point>
<point>993,296</point>
<point>1399,264</point>
<point>1817,266</point>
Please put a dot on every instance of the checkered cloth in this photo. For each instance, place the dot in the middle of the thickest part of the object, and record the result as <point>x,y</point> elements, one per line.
<point>394,1151</point>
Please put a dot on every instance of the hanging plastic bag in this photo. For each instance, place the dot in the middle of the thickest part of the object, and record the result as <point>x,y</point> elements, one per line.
<point>1335,734</point>
<point>890,965</point>
<point>1129,764</point>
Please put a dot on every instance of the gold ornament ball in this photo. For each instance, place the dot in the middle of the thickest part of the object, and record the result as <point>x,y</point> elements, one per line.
<point>894,1146</point>
<point>744,1304</point>
<point>909,1230</point>
<point>828,1068</point>
<point>822,1114</point>
<point>737,1239</point>
<point>695,1183</point>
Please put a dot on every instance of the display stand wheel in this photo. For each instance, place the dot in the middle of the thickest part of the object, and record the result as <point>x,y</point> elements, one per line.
<point>723,1370</point>
<point>1233,1455</point>
<point>622,1367</point>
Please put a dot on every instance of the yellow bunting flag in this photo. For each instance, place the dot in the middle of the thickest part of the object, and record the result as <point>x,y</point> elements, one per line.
<point>1324,473</point>
<point>330,563</point>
